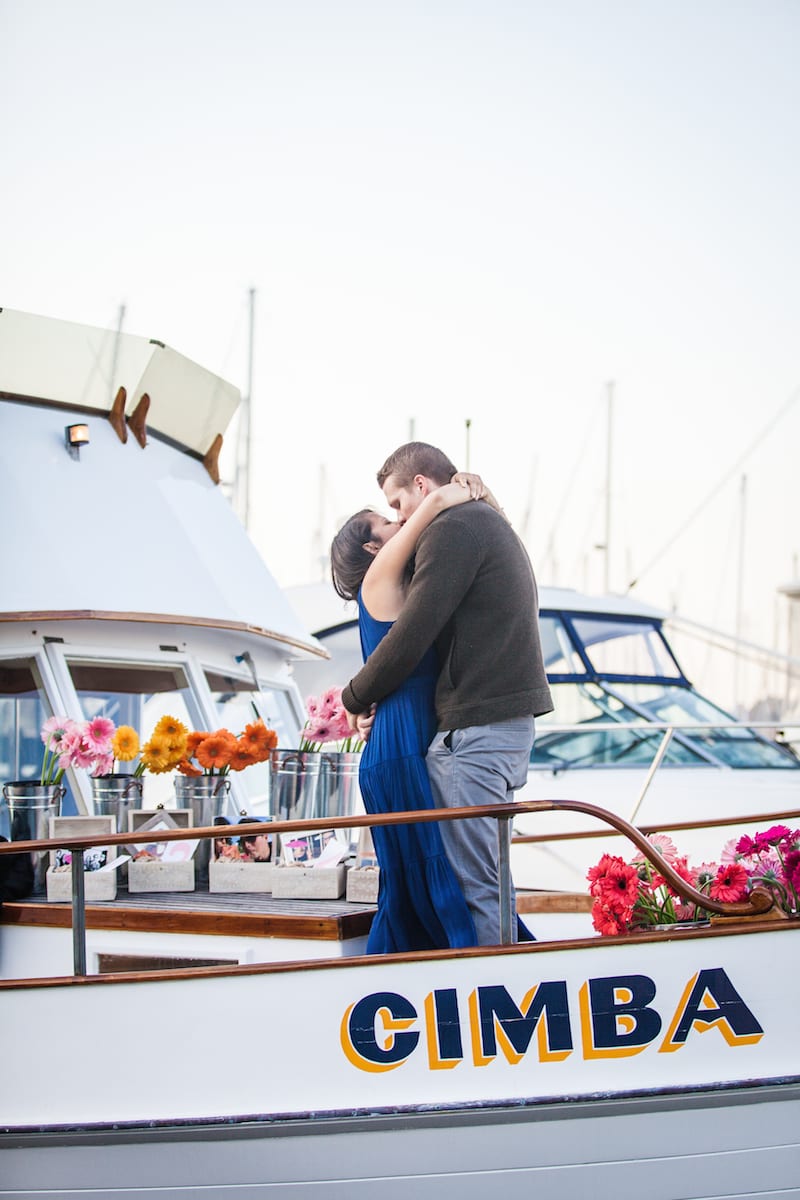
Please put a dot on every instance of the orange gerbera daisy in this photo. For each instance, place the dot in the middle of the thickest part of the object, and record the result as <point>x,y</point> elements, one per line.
<point>242,756</point>
<point>259,739</point>
<point>187,768</point>
<point>193,740</point>
<point>214,752</point>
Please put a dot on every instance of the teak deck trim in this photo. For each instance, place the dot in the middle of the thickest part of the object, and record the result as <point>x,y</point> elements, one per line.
<point>166,917</point>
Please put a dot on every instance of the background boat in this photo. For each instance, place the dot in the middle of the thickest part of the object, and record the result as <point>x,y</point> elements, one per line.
<point>629,732</point>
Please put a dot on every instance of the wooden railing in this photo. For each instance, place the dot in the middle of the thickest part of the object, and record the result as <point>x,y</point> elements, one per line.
<point>758,902</point>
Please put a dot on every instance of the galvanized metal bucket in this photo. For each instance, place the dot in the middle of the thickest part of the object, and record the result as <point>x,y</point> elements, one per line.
<point>295,780</point>
<point>206,796</point>
<point>115,796</point>
<point>29,806</point>
<point>314,783</point>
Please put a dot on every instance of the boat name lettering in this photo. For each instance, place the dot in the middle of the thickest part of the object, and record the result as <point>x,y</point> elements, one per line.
<point>617,1019</point>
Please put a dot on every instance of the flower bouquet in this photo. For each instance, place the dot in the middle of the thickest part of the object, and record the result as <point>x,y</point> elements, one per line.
<point>633,895</point>
<point>327,724</point>
<point>92,745</point>
<point>771,860</point>
<point>172,746</point>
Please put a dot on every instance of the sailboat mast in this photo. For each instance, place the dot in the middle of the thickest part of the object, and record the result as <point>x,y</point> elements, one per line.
<point>609,441</point>
<point>243,455</point>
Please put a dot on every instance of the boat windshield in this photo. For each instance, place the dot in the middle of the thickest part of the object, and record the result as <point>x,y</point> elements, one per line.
<point>735,747</point>
<point>605,668</point>
<point>584,706</point>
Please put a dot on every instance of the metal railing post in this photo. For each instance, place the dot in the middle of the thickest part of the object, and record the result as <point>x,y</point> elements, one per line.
<point>78,914</point>
<point>654,765</point>
<point>504,874</point>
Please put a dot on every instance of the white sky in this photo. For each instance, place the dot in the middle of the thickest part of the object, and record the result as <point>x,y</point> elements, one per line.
<point>481,210</point>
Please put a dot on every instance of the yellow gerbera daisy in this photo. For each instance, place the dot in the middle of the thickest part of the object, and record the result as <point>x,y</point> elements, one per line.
<point>125,744</point>
<point>170,727</point>
<point>157,756</point>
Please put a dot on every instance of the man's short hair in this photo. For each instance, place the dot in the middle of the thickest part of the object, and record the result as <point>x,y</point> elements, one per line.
<point>417,458</point>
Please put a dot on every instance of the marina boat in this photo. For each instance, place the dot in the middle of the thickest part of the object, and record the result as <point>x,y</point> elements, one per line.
<point>226,1044</point>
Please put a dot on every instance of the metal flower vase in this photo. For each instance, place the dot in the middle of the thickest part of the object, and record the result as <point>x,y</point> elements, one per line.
<point>307,784</point>
<point>29,806</point>
<point>115,796</point>
<point>206,796</point>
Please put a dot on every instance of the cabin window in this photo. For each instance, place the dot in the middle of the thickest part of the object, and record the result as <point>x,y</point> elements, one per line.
<point>136,694</point>
<point>238,703</point>
<point>23,711</point>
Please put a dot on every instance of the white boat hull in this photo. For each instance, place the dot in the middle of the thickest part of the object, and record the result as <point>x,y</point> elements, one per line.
<point>277,1081</point>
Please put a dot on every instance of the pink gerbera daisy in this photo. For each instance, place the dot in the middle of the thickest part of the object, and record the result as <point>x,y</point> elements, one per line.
<point>98,734</point>
<point>664,845</point>
<point>55,730</point>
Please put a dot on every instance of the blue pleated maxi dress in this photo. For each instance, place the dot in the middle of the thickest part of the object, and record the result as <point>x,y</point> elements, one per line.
<point>420,903</point>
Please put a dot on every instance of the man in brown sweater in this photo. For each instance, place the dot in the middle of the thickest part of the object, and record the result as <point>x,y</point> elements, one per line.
<point>473,595</point>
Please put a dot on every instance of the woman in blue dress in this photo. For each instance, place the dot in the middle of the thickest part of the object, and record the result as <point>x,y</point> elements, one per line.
<point>420,903</point>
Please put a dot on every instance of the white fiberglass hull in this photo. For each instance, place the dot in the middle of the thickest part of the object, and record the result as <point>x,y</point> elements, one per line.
<point>671,1064</point>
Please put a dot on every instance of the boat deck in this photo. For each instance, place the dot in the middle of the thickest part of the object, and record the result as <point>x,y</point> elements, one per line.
<point>245,914</point>
<point>250,914</point>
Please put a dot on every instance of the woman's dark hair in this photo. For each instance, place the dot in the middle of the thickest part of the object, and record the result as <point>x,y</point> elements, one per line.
<point>349,559</point>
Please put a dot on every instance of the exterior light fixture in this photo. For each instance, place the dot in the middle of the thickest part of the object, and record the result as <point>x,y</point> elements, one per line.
<point>76,436</point>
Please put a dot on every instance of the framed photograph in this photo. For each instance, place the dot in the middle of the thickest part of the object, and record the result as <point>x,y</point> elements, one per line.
<point>310,849</point>
<point>94,858</point>
<point>162,851</point>
<point>257,847</point>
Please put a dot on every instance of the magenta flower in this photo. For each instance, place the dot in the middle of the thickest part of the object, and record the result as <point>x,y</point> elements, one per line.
<point>771,836</point>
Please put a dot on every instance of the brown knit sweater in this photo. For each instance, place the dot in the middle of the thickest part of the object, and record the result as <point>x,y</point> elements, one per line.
<point>474,595</point>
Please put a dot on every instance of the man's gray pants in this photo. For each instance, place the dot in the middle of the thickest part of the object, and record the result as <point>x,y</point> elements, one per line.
<point>483,764</point>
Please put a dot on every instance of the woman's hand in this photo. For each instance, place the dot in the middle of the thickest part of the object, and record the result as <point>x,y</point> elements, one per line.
<point>476,489</point>
<point>473,483</point>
